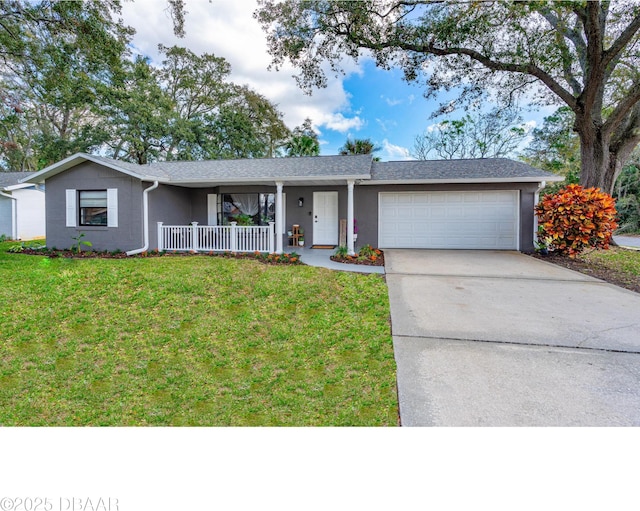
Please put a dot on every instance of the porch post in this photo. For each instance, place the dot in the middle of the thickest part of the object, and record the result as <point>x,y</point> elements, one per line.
<point>160,247</point>
<point>272,244</point>
<point>194,236</point>
<point>233,237</point>
<point>350,246</point>
<point>279,226</point>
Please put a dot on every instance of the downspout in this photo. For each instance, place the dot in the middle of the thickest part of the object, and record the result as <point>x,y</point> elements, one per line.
<point>145,220</point>
<point>14,216</point>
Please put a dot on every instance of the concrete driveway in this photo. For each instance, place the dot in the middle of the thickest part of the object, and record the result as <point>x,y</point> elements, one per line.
<point>486,338</point>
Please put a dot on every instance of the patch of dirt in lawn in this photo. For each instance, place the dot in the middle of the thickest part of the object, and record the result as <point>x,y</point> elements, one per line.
<point>593,269</point>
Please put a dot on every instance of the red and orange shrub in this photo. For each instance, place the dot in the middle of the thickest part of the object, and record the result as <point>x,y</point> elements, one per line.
<point>575,218</point>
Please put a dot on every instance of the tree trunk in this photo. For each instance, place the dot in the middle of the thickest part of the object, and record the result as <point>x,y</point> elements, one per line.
<point>600,166</point>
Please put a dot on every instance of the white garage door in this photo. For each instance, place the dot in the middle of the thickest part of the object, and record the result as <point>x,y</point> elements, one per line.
<point>464,220</point>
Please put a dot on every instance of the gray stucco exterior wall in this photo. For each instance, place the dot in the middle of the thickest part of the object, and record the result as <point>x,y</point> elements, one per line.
<point>91,176</point>
<point>171,205</point>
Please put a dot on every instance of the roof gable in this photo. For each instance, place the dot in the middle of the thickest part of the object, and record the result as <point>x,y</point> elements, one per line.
<point>221,171</point>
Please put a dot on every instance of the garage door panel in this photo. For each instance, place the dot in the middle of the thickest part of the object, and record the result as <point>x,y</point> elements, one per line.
<point>464,220</point>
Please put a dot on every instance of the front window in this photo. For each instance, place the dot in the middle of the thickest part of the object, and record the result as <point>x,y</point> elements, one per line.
<point>248,208</point>
<point>93,207</point>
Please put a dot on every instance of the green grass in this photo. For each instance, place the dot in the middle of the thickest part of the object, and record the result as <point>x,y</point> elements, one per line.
<point>192,341</point>
<point>619,259</point>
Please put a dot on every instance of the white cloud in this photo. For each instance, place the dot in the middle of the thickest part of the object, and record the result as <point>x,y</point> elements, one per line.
<point>391,102</point>
<point>395,152</point>
<point>338,122</point>
<point>228,29</point>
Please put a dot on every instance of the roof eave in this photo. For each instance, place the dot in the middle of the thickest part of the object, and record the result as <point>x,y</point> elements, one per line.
<point>479,180</point>
<point>17,187</point>
<point>77,159</point>
<point>269,180</point>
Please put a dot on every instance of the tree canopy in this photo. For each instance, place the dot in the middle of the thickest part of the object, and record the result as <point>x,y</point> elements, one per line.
<point>583,54</point>
<point>555,147</point>
<point>495,134</point>
<point>55,57</point>
<point>358,146</point>
<point>68,83</point>
<point>303,141</point>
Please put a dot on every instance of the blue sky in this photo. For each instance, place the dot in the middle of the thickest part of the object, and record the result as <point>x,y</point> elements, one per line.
<point>366,103</point>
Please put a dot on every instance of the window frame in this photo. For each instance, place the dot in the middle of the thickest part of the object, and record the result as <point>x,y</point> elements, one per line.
<point>106,208</point>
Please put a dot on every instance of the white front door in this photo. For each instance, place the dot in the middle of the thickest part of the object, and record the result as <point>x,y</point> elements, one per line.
<point>325,218</point>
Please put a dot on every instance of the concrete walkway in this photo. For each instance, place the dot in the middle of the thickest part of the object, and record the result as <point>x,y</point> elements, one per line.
<point>503,339</point>
<point>321,258</point>
<point>627,241</point>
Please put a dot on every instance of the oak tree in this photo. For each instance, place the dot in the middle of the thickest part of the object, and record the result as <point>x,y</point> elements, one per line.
<point>582,54</point>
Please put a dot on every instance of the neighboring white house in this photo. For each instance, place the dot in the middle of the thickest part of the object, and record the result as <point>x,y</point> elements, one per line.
<point>22,210</point>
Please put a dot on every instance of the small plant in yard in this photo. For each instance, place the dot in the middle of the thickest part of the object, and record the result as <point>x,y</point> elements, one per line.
<point>367,251</point>
<point>367,255</point>
<point>342,251</point>
<point>79,242</point>
<point>290,258</point>
<point>576,218</point>
<point>25,245</point>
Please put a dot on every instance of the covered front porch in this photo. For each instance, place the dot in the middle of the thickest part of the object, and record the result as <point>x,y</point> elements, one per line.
<point>255,218</point>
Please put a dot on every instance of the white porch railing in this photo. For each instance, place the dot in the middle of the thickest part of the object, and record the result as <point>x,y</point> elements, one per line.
<point>216,238</point>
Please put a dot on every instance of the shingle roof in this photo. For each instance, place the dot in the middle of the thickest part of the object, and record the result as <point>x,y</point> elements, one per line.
<point>140,170</point>
<point>318,169</point>
<point>12,178</point>
<point>454,170</point>
<point>265,168</point>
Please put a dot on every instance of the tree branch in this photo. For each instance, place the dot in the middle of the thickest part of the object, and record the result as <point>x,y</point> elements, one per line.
<point>562,32</point>
<point>530,69</point>
<point>621,42</point>
<point>623,108</point>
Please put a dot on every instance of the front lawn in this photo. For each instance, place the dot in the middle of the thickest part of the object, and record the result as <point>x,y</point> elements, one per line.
<point>191,341</point>
<point>619,266</point>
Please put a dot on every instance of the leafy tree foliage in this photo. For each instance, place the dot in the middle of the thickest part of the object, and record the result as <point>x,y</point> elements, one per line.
<point>555,147</point>
<point>67,84</point>
<point>628,196</point>
<point>496,134</point>
<point>56,56</point>
<point>582,54</point>
<point>303,141</point>
<point>247,126</point>
<point>359,146</point>
<point>140,115</point>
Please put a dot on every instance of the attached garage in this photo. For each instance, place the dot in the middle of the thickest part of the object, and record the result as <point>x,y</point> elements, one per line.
<point>449,219</point>
<point>475,204</point>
